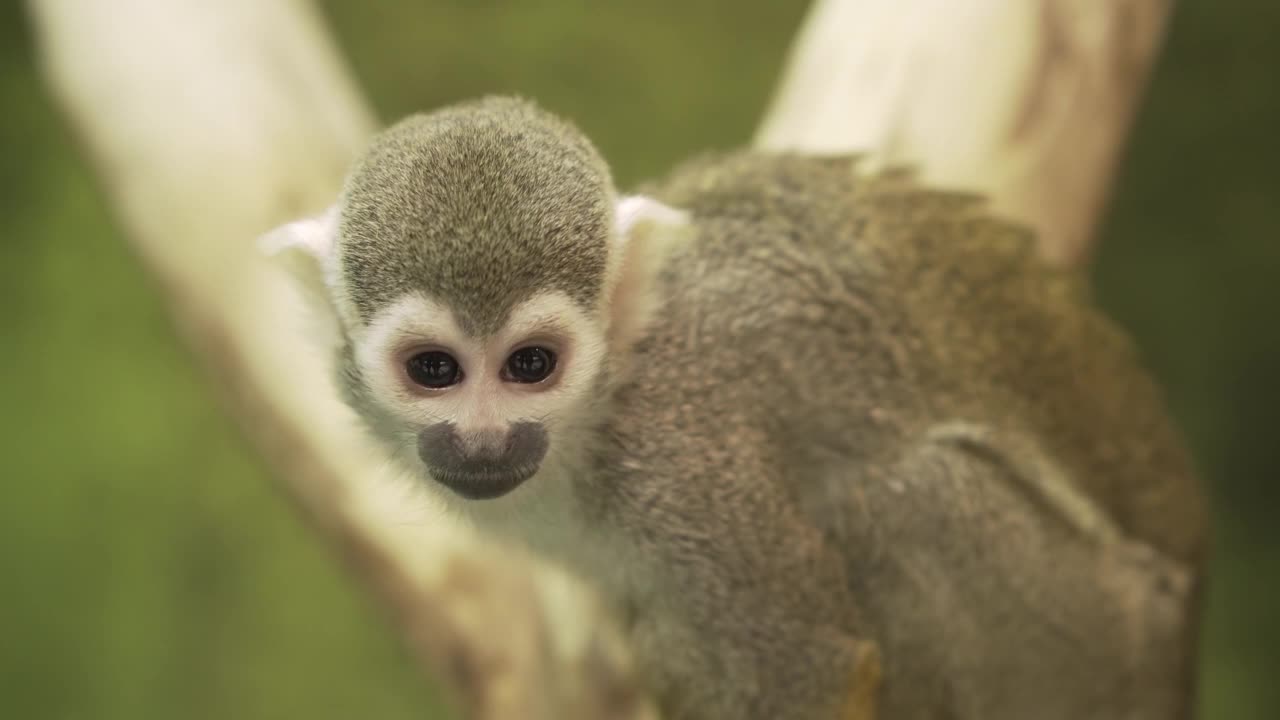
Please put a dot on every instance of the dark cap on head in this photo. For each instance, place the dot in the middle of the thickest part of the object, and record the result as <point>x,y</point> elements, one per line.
<point>478,205</point>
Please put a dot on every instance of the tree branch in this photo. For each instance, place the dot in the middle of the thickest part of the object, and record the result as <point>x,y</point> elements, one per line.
<point>209,123</point>
<point>1028,101</point>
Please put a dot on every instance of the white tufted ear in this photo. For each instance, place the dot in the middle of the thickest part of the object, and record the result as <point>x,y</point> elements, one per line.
<point>315,236</point>
<point>645,231</point>
<point>635,210</point>
<point>307,249</point>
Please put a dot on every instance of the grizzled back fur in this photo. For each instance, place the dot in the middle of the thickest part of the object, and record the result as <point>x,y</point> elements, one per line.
<point>487,201</point>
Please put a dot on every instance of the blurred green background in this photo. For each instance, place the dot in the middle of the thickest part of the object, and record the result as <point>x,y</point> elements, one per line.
<point>149,569</point>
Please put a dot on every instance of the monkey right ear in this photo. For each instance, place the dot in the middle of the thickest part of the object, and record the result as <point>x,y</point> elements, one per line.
<point>646,230</point>
<point>314,236</point>
<point>307,249</point>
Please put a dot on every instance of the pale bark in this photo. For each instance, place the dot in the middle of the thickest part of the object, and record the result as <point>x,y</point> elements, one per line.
<point>1028,101</point>
<point>210,122</point>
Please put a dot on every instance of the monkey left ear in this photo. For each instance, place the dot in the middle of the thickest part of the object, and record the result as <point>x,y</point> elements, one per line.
<point>646,230</point>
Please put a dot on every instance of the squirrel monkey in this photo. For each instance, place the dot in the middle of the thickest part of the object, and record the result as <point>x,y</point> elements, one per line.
<point>832,447</point>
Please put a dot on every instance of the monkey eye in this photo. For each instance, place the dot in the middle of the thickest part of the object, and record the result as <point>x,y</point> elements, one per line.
<point>433,369</point>
<point>529,365</point>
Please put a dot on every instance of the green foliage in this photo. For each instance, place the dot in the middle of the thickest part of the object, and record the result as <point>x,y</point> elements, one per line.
<point>149,568</point>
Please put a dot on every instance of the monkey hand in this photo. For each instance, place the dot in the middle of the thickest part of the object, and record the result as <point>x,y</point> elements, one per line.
<point>864,682</point>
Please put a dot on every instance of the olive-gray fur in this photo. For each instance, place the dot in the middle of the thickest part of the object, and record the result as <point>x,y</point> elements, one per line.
<point>842,429</point>
<point>862,418</point>
<point>481,203</point>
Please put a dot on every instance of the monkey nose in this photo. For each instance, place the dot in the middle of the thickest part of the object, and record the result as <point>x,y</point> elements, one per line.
<point>488,445</point>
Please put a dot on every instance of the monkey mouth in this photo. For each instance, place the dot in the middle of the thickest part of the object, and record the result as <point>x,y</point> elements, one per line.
<point>486,468</point>
<point>482,481</point>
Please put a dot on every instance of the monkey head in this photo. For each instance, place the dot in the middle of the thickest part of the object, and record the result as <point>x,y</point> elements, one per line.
<point>483,279</point>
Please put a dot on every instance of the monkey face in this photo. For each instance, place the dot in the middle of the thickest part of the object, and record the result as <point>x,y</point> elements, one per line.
<point>471,271</point>
<point>482,414</point>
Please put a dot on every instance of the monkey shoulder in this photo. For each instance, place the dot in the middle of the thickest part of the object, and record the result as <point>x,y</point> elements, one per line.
<point>801,246</point>
<point>879,231</point>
